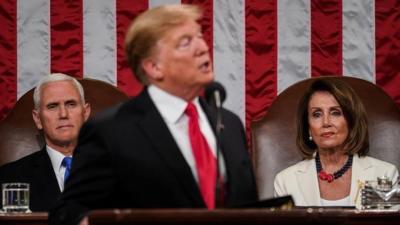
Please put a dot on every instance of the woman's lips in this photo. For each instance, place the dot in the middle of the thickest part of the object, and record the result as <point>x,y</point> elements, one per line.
<point>327,134</point>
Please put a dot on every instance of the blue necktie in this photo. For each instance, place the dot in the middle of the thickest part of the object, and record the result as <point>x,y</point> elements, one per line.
<point>67,161</point>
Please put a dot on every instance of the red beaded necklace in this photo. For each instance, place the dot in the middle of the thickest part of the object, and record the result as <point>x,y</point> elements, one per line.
<point>328,176</point>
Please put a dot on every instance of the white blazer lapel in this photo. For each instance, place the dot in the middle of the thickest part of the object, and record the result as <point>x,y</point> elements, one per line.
<point>308,183</point>
<point>359,170</point>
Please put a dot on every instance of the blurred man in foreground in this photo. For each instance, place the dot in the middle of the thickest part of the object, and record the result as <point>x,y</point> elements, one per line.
<point>59,111</point>
<point>158,149</point>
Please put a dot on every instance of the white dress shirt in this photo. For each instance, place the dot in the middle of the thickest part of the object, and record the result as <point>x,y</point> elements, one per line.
<point>56,159</point>
<point>172,110</point>
<point>340,202</point>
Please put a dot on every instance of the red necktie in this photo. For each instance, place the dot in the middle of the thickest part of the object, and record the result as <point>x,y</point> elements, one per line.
<point>205,161</point>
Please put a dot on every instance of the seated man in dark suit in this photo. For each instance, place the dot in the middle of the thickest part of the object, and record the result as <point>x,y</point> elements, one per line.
<point>157,150</point>
<point>59,110</point>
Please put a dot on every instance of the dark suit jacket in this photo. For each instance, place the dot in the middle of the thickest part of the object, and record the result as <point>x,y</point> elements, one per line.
<point>127,158</point>
<point>35,169</point>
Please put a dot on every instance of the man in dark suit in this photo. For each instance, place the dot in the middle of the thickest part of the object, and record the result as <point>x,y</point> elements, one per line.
<point>145,152</point>
<point>59,110</point>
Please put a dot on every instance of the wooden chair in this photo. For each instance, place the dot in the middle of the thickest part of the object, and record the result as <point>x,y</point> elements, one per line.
<point>19,135</point>
<point>274,136</point>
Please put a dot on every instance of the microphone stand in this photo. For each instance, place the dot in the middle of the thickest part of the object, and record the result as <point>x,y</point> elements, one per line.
<point>219,187</point>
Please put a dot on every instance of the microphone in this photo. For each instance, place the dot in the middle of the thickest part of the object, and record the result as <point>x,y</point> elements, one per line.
<point>215,95</point>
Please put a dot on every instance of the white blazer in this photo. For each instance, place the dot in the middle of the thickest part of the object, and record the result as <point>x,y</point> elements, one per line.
<point>301,182</point>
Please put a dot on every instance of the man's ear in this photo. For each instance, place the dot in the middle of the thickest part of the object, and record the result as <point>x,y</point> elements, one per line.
<point>152,68</point>
<point>36,119</point>
<point>88,110</point>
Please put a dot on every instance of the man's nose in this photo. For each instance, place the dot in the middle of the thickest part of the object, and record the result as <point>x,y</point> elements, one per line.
<point>202,46</point>
<point>63,112</point>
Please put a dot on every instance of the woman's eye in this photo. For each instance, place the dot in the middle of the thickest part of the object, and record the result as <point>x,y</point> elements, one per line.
<point>316,114</point>
<point>336,113</point>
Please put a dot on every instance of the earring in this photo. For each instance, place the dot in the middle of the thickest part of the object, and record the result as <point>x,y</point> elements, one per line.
<point>310,138</point>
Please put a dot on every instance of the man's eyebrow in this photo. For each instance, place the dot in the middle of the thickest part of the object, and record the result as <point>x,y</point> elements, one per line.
<point>52,103</point>
<point>71,100</point>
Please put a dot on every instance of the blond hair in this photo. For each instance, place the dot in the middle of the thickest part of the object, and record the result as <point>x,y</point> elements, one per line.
<point>149,27</point>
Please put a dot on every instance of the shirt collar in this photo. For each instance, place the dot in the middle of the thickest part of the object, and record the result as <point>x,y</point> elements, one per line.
<point>56,157</point>
<point>170,106</point>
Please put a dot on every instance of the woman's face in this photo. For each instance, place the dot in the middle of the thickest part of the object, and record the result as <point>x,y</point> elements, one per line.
<point>328,126</point>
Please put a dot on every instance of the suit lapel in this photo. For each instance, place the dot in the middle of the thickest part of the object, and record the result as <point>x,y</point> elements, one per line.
<point>308,183</point>
<point>44,173</point>
<point>160,136</point>
<point>45,182</point>
<point>359,170</point>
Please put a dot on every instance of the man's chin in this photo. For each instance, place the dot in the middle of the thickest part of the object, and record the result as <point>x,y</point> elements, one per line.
<point>208,80</point>
<point>64,142</point>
